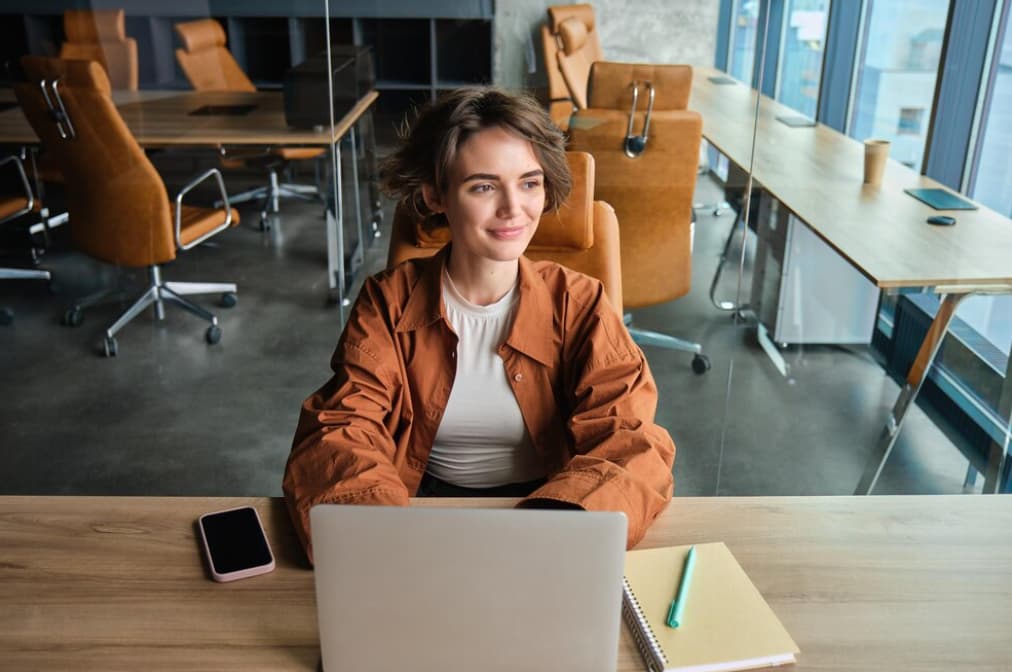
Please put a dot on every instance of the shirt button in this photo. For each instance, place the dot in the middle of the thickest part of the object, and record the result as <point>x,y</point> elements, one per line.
<point>518,377</point>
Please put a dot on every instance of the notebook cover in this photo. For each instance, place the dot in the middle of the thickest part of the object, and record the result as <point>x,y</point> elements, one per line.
<point>940,199</point>
<point>727,624</point>
<point>223,110</point>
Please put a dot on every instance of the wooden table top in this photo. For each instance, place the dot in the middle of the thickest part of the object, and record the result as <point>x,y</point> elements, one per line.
<point>119,583</point>
<point>817,173</point>
<point>163,119</point>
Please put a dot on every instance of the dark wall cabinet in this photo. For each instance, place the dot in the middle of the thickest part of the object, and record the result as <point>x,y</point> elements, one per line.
<point>420,47</point>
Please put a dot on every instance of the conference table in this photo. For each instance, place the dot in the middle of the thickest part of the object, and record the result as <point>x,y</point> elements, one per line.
<point>119,583</point>
<point>816,173</point>
<point>163,119</point>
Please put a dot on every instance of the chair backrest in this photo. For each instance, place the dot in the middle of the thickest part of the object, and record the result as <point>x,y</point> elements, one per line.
<point>100,35</point>
<point>119,209</point>
<point>651,193</point>
<point>581,235</point>
<point>565,92</point>
<point>206,62</point>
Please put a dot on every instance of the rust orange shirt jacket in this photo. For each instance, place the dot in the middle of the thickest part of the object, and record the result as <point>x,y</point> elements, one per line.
<point>584,389</point>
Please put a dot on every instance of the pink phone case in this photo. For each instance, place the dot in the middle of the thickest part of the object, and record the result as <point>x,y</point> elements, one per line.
<point>242,573</point>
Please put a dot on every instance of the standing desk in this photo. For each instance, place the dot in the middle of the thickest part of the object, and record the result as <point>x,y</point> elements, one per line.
<point>817,173</point>
<point>161,119</point>
<point>890,583</point>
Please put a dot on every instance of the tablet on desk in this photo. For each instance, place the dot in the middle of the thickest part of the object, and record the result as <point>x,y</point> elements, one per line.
<point>223,110</point>
<point>940,199</point>
<point>795,120</point>
<point>722,80</point>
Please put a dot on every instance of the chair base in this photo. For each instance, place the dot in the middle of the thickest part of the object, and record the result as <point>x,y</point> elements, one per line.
<point>6,314</point>
<point>700,363</point>
<point>158,294</point>
<point>271,195</point>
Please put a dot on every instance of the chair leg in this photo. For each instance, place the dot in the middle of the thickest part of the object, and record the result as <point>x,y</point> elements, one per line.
<point>24,274</point>
<point>253,194</point>
<point>724,305</point>
<point>700,363</point>
<point>149,297</point>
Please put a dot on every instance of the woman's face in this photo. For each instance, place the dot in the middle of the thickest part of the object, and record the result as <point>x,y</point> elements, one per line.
<point>495,197</point>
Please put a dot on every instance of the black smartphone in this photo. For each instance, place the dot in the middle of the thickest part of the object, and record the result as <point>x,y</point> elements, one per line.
<point>235,544</point>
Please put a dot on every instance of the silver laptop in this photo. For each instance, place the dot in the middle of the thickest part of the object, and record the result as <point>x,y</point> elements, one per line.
<point>455,590</point>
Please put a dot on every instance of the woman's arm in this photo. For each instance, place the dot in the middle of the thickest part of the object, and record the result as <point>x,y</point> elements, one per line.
<point>343,450</point>
<point>623,458</point>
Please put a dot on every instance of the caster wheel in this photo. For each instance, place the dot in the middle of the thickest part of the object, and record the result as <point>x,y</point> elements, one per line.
<point>229,299</point>
<point>6,316</point>
<point>213,334</point>
<point>72,318</point>
<point>110,346</point>
<point>265,224</point>
<point>700,364</point>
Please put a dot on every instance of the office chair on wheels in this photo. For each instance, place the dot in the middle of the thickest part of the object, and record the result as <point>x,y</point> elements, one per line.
<point>210,66</point>
<point>13,206</point>
<point>582,235</point>
<point>120,212</point>
<point>649,178</point>
<point>100,35</point>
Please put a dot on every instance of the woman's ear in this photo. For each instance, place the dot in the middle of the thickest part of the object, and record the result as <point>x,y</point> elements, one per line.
<point>432,200</point>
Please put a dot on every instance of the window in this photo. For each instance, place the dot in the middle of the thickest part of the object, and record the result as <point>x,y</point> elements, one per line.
<point>801,56</point>
<point>744,30</point>
<point>991,182</point>
<point>898,64</point>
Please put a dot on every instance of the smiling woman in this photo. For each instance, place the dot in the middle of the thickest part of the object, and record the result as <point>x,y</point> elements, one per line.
<point>478,372</point>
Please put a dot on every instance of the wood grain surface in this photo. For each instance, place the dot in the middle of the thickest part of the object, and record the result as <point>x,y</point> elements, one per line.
<point>119,583</point>
<point>817,173</point>
<point>163,119</point>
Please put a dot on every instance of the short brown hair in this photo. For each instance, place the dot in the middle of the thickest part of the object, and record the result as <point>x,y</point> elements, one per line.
<point>429,148</point>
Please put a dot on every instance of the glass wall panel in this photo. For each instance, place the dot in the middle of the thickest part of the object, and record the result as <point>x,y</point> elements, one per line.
<point>898,65</point>
<point>993,174</point>
<point>800,65</point>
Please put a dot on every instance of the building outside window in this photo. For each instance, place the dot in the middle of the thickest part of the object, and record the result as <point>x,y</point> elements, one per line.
<point>744,31</point>
<point>802,49</point>
<point>900,49</point>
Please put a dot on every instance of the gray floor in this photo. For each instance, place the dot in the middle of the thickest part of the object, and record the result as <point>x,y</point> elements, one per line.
<point>173,416</point>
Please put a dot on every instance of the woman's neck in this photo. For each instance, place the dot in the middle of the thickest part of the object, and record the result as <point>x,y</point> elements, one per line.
<point>481,281</point>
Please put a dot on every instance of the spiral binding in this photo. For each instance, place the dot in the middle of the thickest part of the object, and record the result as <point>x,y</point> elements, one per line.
<point>646,640</point>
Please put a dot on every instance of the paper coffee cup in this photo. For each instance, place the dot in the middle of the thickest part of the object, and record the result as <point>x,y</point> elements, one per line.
<point>875,154</point>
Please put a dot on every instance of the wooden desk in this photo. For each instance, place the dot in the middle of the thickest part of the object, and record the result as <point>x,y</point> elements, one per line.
<point>889,583</point>
<point>817,173</point>
<point>163,119</point>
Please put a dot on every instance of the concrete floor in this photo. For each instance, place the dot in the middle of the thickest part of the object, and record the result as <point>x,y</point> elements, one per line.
<point>172,415</point>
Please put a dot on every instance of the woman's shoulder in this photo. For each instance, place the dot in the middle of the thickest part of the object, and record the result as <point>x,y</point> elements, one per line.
<point>566,284</point>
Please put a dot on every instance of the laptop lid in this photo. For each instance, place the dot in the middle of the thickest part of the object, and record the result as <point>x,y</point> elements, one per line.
<point>454,590</point>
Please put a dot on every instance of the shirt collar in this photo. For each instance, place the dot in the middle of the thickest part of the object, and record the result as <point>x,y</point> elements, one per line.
<point>532,325</point>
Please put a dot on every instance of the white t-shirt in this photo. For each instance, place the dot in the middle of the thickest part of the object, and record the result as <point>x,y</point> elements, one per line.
<point>482,441</point>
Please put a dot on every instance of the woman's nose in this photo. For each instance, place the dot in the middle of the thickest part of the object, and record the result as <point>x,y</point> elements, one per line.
<point>509,203</point>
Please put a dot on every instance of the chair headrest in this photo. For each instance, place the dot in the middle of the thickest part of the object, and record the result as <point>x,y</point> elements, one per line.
<point>76,74</point>
<point>87,25</point>
<point>610,85</point>
<point>573,34</point>
<point>201,34</point>
<point>559,13</point>
<point>570,228</point>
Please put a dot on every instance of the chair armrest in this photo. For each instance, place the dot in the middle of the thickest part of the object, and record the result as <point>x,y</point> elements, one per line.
<point>179,208</point>
<point>29,196</point>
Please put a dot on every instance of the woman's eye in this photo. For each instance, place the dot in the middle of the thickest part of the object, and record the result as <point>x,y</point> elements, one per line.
<point>481,188</point>
<point>532,184</point>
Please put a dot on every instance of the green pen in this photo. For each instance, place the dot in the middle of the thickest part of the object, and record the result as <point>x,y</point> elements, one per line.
<point>678,604</point>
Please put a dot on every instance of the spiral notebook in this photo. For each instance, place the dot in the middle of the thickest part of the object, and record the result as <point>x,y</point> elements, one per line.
<point>727,625</point>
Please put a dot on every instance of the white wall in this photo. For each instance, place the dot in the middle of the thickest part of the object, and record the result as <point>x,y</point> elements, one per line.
<point>650,31</point>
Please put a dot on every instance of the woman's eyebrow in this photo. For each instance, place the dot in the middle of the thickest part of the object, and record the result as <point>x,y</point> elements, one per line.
<point>490,176</point>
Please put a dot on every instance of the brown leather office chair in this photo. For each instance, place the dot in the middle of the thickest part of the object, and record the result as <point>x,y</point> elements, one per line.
<point>584,47</point>
<point>646,145</point>
<point>100,35</point>
<point>582,235</point>
<point>210,66</point>
<point>119,210</point>
<point>12,206</point>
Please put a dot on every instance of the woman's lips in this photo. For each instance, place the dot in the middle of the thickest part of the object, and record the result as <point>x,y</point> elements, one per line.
<point>507,232</point>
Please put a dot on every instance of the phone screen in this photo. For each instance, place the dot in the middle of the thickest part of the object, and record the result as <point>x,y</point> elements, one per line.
<point>235,540</point>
